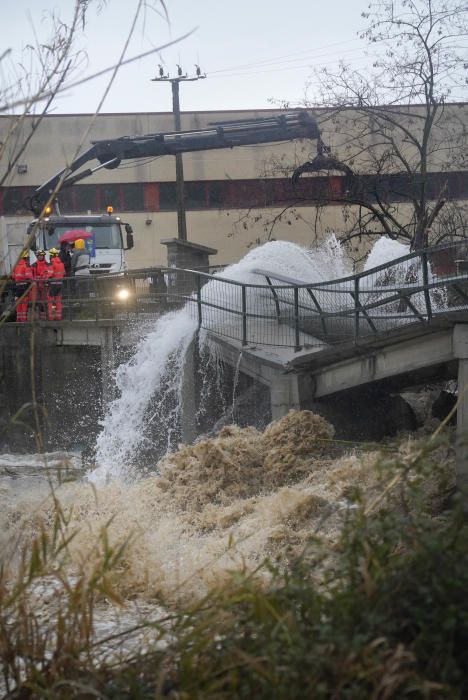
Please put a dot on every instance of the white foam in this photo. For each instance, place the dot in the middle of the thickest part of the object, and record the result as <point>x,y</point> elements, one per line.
<point>138,380</point>
<point>47,460</point>
<point>384,251</point>
<point>291,260</point>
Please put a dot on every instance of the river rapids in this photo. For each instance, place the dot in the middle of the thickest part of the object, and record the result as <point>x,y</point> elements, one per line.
<point>225,503</point>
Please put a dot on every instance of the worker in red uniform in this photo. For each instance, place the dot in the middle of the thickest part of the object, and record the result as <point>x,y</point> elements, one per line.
<point>23,278</point>
<point>54,288</point>
<point>41,271</point>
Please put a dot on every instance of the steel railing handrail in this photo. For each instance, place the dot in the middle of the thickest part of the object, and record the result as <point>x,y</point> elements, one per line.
<point>367,309</point>
<point>365,273</point>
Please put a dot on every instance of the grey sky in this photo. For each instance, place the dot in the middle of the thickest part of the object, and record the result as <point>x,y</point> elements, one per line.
<point>251,50</point>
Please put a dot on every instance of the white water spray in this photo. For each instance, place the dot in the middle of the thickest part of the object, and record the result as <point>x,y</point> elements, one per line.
<point>384,251</point>
<point>161,355</point>
<point>138,380</point>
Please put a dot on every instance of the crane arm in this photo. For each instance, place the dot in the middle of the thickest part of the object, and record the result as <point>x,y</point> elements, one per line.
<point>229,134</point>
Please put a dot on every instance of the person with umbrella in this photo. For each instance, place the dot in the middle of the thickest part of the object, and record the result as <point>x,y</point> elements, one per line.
<point>80,268</point>
<point>65,255</point>
<point>66,240</point>
<point>80,259</point>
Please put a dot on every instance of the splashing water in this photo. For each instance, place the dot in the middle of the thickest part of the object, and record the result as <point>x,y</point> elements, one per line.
<point>223,504</point>
<point>292,260</point>
<point>138,381</point>
<point>384,251</point>
<point>158,363</point>
<point>164,349</point>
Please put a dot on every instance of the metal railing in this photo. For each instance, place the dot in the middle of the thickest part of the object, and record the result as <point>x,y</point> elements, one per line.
<point>412,289</point>
<point>281,311</point>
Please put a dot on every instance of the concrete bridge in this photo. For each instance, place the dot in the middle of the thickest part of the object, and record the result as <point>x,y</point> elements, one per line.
<point>337,347</point>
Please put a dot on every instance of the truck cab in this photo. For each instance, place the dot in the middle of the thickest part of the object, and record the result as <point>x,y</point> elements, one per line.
<point>105,244</point>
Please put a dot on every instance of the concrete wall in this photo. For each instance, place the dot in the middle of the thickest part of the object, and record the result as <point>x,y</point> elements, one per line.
<point>68,372</point>
<point>220,229</point>
<point>48,392</point>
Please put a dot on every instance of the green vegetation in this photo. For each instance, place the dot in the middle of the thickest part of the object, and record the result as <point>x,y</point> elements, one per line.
<point>382,613</point>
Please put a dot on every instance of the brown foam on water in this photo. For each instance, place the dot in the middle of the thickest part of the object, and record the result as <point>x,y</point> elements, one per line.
<point>221,504</point>
<point>242,462</point>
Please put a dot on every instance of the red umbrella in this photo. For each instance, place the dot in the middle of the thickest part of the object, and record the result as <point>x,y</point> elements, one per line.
<point>73,235</point>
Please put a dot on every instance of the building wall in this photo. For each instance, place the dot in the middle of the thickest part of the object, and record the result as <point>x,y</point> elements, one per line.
<point>232,231</point>
<point>219,229</point>
<point>59,136</point>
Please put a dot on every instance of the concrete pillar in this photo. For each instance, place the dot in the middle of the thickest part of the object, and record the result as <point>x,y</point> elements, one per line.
<point>185,255</point>
<point>284,394</point>
<point>107,365</point>
<point>460,350</point>
<point>188,403</point>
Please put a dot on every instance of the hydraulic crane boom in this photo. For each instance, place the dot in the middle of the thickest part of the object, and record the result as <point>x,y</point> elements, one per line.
<point>227,134</point>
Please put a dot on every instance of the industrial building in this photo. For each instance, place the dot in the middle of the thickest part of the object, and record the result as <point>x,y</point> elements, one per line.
<point>234,198</point>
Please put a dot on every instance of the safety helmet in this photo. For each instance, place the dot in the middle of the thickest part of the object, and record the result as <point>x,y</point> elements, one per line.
<point>24,254</point>
<point>79,244</point>
<point>53,252</point>
<point>39,252</point>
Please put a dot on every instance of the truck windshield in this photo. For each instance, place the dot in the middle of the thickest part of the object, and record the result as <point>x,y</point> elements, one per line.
<point>104,235</point>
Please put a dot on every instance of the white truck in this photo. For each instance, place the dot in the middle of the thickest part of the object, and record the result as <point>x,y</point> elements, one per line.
<point>106,242</point>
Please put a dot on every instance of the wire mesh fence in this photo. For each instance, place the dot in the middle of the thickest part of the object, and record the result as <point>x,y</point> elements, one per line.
<point>277,310</point>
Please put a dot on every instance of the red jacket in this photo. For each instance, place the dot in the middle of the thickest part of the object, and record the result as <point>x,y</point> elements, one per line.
<point>57,268</point>
<point>23,271</point>
<point>41,270</point>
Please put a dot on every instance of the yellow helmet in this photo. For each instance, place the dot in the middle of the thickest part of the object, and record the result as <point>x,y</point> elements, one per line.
<point>79,244</point>
<point>53,252</point>
<point>41,251</point>
<point>24,254</point>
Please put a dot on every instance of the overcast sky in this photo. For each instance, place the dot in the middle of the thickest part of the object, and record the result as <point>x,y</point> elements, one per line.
<point>252,51</point>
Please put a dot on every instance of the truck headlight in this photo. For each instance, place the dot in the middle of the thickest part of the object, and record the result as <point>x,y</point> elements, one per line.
<point>123,294</point>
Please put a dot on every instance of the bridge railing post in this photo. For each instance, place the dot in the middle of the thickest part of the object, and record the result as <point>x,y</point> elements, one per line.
<point>356,308</point>
<point>95,297</point>
<point>296,319</point>
<point>427,296</point>
<point>199,301</point>
<point>244,315</point>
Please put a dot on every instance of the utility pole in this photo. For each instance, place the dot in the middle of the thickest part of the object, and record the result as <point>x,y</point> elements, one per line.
<point>175,82</point>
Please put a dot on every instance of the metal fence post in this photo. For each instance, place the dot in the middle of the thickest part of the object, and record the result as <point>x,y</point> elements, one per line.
<point>96,300</point>
<point>427,296</point>
<point>244,315</point>
<point>199,301</point>
<point>356,308</point>
<point>296,319</point>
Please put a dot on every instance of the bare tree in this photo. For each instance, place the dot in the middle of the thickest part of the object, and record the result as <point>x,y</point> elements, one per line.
<point>397,125</point>
<point>33,83</point>
<point>28,88</point>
